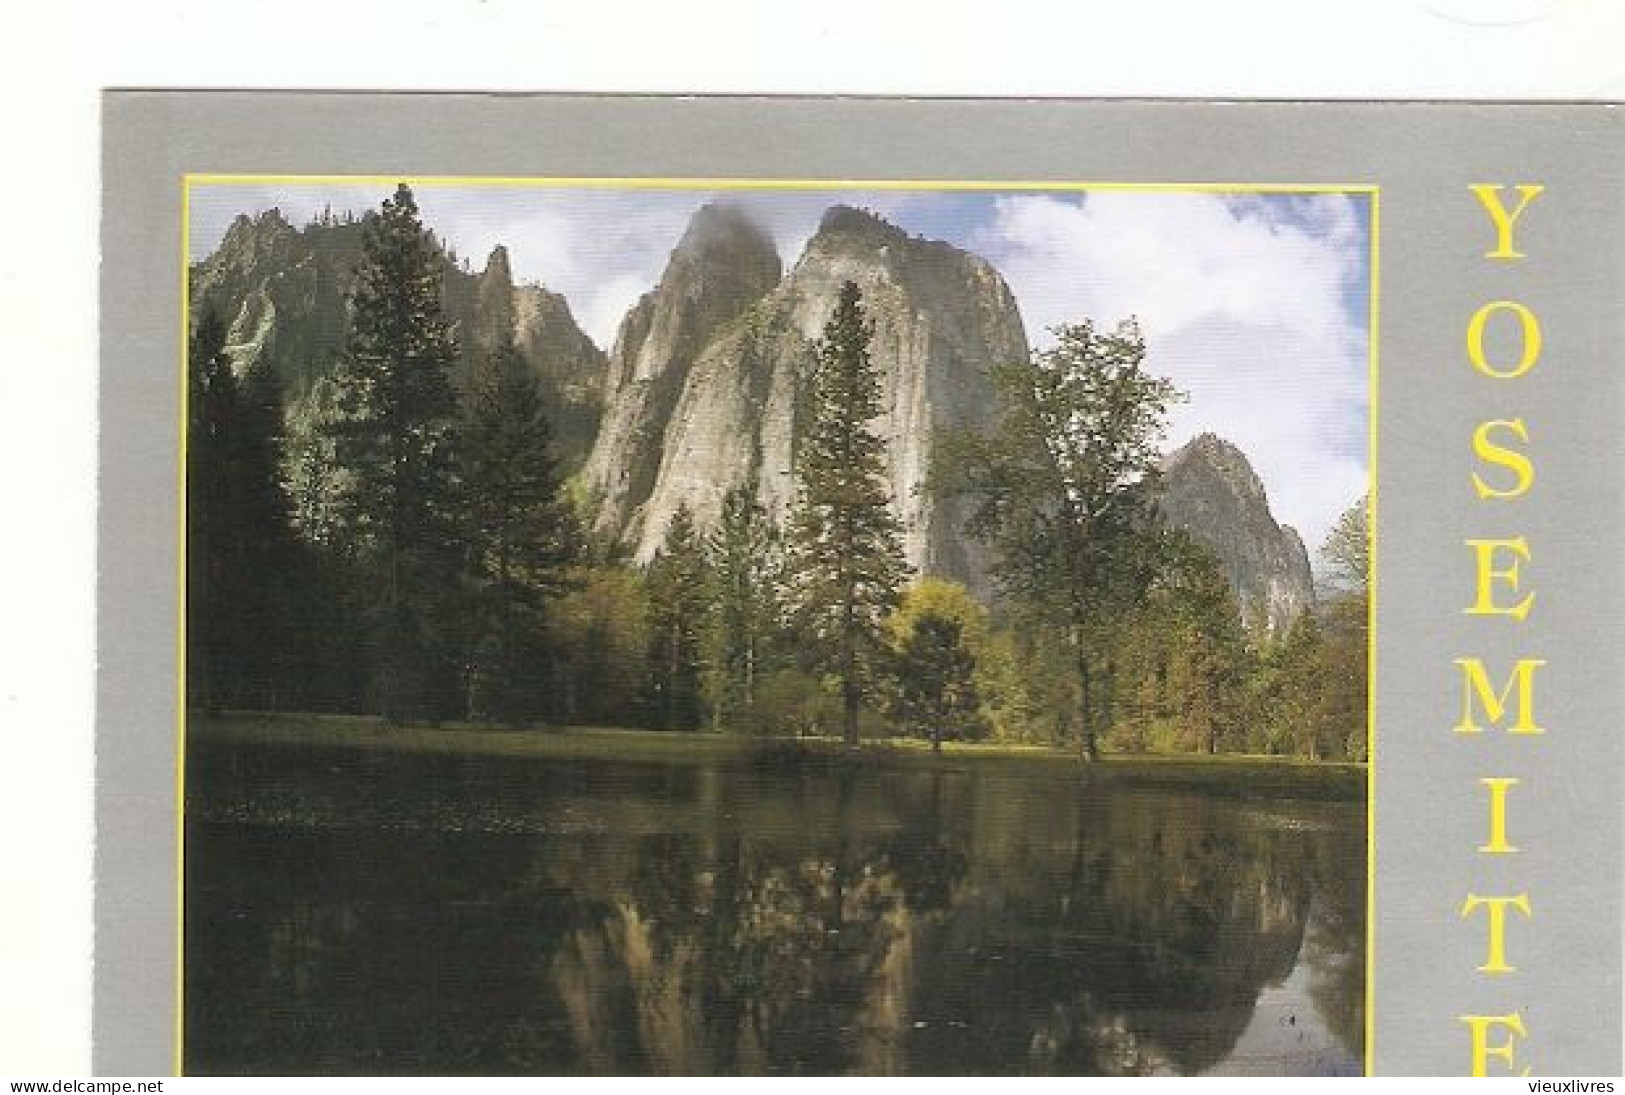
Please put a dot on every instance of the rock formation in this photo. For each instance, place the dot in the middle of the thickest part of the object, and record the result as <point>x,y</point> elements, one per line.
<point>709,369</point>
<point>722,266</point>
<point>725,413</point>
<point>1210,489</point>
<point>282,292</point>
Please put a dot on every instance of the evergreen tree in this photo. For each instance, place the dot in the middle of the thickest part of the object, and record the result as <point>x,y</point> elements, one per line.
<point>316,484</point>
<point>1062,490</point>
<point>678,603</point>
<point>936,690</point>
<point>743,557</point>
<point>1301,710</point>
<point>240,549</point>
<point>1207,657</point>
<point>1346,554</point>
<point>845,541</point>
<point>521,532</point>
<point>211,407</point>
<point>393,440</point>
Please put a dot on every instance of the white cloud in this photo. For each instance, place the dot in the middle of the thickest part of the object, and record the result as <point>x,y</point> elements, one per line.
<point>1244,304</point>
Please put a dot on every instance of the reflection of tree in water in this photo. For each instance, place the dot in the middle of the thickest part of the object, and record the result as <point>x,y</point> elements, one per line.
<point>1335,948</point>
<point>746,923</point>
<point>1142,948</point>
<point>735,960</point>
<point>1146,955</point>
<point>427,965</point>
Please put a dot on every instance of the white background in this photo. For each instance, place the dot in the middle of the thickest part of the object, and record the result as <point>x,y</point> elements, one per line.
<point>57,56</point>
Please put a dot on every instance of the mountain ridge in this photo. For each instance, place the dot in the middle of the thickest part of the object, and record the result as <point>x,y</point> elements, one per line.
<point>703,386</point>
<point>282,293</point>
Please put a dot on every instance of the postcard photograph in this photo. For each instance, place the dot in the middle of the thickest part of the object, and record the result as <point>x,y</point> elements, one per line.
<point>758,627</point>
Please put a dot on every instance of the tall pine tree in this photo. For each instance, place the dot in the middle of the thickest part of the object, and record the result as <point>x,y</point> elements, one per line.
<point>394,441</point>
<point>521,533</point>
<point>845,541</point>
<point>743,555</point>
<point>211,414</point>
<point>678,603</point>
<point>240,547</point>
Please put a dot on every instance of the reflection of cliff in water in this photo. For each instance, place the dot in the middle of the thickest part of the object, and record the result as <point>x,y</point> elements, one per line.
<point>797,923</point>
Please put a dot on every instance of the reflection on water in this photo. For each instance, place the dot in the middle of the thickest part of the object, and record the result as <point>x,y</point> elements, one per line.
<point>358,914</point>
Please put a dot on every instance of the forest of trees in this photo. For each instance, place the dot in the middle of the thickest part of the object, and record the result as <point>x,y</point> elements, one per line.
<point>411,548</point>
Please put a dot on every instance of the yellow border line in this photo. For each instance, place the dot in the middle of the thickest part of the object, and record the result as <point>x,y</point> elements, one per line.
<point>191,179</point>
<point>1371,651</point>
<point>180,729</point>
<point>651,183</point>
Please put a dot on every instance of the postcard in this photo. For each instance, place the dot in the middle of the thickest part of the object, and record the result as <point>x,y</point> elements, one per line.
<point>651,586</point>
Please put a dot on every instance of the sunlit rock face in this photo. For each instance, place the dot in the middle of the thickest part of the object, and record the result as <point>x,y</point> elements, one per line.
<point>1210,489</point>
<point>704,388</point>
<point>723,265</point>
<point>701,421</point>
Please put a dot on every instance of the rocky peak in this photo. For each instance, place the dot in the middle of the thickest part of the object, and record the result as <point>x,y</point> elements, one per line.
<point>283,292</point>
<point>494,301</point>
<point>256,246</point>
<point>249,234</point>
<point>1211,455</point>
<point>724,234</point>
<point>498,270</point>
<point>723,265</point>
<point>1209,487</point>
<point>941,317</point>
<point>847,225</point>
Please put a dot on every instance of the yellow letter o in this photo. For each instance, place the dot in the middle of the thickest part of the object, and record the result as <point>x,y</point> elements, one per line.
<point>1531,340</point>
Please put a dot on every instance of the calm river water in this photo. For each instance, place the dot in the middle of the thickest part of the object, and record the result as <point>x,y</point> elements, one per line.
<point>364,913</point>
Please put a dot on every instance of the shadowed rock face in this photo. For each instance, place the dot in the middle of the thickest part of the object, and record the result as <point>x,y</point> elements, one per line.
<point>283,292</point>
<point>941,317</point>
<point>571,367</point>
<point>1210,489</point>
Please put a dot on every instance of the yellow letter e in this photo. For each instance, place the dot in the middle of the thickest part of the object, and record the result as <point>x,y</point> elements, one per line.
<point>1482,1050</point>
<point>1488,574</point>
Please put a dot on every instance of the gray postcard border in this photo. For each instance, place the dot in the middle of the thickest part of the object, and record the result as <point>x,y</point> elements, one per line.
<point>1429,808</point>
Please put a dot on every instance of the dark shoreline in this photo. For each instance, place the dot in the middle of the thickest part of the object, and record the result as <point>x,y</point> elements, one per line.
<point>1226,774</point>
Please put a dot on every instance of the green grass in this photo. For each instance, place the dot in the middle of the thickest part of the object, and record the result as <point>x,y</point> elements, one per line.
<point>1227,773</point>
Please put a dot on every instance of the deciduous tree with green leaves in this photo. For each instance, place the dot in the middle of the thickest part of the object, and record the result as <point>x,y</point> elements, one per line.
<point>1345,610</point>
<point>847,565</point>
<point>1062,489</point>
<point>1346,554</point>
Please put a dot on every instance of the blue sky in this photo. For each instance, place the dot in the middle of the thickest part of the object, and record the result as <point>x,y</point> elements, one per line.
<point>1257,305</point>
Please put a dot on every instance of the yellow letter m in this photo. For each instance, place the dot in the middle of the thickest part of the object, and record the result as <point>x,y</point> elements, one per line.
<point>1476,685</point>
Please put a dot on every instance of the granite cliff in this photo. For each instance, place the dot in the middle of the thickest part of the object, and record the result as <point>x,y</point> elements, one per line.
<point>722,403</point>
<point>282,292</point>
<point>704,386</point>
<point>1210,489</point>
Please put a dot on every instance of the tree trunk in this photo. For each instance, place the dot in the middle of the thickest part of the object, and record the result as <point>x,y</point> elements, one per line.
<point>850,697</point>
<point>1088,749</point>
